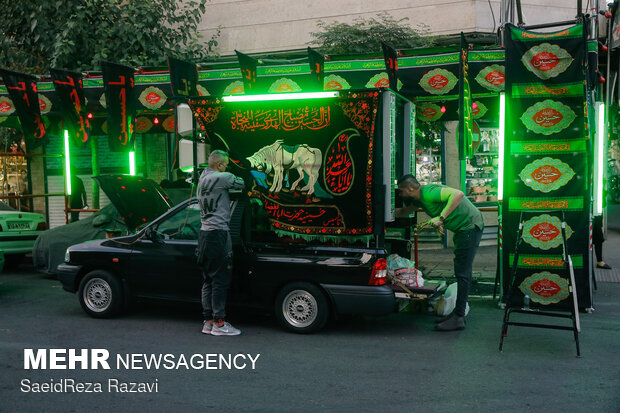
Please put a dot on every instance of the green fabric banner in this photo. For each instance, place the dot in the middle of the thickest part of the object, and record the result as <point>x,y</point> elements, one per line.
<point>546,169</point>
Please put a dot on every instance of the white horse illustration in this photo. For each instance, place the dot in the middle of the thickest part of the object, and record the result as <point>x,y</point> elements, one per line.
<point>278,158</point>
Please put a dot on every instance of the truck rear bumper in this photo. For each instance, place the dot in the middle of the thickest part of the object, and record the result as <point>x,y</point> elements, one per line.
<point>362,300</point>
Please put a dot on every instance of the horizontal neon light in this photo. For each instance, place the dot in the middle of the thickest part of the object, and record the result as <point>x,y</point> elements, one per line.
<point>282,96</point>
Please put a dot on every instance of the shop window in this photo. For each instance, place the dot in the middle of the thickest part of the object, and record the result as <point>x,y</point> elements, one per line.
<point>481,169</point>
<point>14,180</point>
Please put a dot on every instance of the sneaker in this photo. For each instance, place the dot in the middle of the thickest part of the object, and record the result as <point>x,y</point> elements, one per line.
<point>207,327</point>
<point>225,330</point>
<point>445,318</point>
<point>452,324</point>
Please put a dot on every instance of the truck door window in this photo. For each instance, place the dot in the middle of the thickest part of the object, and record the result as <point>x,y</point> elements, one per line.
<point>184,224</point>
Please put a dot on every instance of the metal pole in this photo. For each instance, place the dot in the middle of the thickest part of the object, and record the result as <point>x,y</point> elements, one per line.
<point>519,13</point>
<point>502,12</point>
<point>194,153</point>
<point>594,20</point>
<point>507,7</point>
<point>608,74</point>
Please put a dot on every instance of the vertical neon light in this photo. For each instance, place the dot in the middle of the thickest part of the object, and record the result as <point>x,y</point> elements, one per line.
<point>393,147</point>
<point>132,163</point>
<point>500,164</point>
<point>599,156</point>
<point>67,163</point>
<point>412,165</point>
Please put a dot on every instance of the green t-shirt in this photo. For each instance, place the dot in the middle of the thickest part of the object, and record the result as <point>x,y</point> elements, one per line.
<point>464,218</point>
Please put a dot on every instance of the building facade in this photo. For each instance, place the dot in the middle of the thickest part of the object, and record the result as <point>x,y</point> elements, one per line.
<point>257,26</point>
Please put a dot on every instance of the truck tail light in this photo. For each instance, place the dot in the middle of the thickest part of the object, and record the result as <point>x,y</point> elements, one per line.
<point>41,226</point>
<point>379,273</point>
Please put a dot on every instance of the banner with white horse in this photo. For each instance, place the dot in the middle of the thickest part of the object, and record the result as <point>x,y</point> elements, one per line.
<point>311,160</point>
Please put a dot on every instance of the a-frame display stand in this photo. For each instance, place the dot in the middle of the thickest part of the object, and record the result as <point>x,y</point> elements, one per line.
<point>516,278</point>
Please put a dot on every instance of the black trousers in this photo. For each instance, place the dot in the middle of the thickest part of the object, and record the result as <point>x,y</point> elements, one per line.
<point>465,248</point>
<point>598,237</point>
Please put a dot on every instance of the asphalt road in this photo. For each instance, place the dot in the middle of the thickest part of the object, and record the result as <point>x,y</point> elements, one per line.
<point>390,364</point>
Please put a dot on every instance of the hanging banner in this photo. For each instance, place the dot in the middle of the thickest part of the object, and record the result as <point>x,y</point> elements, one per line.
<point>183,77</point>
<point>615,25</point>
<point>316,61</point>
<point>248,71</point>
<point>546,166</point>
<point>465,128</point>
<point>22,89</point>
<point>118,83</point>
<point>433,76</point>
<point>391,65</point>
<point>487,71</point>
<point>70,91</point>
<point>311,161</point>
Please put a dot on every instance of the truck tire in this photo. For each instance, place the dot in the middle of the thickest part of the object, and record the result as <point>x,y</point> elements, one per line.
<point>101,294</point>
<point>301,307</point>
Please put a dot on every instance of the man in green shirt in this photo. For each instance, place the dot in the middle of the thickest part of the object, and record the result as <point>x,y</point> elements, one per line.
<point>448,208</point>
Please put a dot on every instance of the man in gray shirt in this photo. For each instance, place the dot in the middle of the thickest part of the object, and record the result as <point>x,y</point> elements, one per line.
<point>214,243</point>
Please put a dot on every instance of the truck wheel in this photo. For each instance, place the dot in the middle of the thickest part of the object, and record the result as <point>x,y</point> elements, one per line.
<point>101,294</point>
<point>301,307</point>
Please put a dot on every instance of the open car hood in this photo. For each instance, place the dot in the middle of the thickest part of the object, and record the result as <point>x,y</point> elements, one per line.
<point>137,199</point>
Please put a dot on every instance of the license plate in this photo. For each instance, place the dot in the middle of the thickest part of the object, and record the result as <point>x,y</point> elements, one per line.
<point>19,225</point>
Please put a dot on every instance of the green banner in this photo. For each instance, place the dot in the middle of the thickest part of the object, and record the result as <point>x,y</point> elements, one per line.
<point>538,90</point>
<point>544,261</point>
<point>568,203</point>
<point>547,147</point>
<point>574,32</point>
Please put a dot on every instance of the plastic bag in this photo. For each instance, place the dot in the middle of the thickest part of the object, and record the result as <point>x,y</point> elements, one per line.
<point>404,271</point>
<point>447,302</point>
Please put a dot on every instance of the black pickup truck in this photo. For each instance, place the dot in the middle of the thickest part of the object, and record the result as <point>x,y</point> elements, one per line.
<point>301,283</point>
<point>309,233</point>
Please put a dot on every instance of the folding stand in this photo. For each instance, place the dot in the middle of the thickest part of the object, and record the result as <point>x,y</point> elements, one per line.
<point>513,282</point>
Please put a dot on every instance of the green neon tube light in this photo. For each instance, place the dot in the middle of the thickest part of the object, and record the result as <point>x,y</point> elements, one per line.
<point>132,163</point>
<point>282,96</point>
<point>67,163</point>
<point>599,162</point>
<point>500,164</point>
<point>412,164</point>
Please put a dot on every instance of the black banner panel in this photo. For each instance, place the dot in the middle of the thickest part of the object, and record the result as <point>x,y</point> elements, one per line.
<point>546,168</point>
<point>310,160</point>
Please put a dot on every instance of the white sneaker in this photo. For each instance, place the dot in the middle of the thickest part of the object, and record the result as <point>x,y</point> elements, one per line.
<point>225,330</point>
<point>207,327</point>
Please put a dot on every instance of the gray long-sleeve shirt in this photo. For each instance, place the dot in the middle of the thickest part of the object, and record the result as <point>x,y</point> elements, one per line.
<point>212,194</point>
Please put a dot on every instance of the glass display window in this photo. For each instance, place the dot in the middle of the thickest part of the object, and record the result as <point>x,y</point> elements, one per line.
<point>481,170</point>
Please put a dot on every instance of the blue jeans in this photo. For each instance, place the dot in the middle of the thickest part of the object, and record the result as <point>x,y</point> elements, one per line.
<point>216,272</point>
<point>465,247</point>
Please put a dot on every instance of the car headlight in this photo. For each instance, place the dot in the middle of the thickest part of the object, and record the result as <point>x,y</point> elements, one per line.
<point>67,256</point>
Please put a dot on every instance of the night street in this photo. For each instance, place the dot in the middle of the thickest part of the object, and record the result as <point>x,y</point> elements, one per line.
<point>396,363</point>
